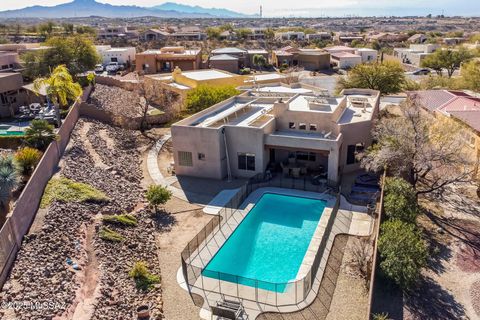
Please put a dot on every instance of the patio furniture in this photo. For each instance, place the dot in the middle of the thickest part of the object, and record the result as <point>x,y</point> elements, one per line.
<point>227,309</point>
<point>303,171</point>
<point>296,172</point>
<point>285,169</point>
<point>35,107</point>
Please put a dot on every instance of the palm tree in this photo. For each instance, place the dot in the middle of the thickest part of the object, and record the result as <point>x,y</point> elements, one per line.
<point>8,182</point>
<point>60,88</point>
<point>39,134</point>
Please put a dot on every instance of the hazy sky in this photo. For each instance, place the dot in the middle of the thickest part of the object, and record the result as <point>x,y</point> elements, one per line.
<point>301,7</point>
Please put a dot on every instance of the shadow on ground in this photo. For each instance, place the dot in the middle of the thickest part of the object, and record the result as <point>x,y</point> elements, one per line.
<point>430,301</point>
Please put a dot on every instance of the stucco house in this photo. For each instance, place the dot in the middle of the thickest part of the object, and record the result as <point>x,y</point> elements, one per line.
<point>310,59</point>
<point>262,130</point>
<point>167,58</point>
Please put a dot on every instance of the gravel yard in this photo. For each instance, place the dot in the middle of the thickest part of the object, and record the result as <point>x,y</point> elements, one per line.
<point>116,100</point>
<point>108,159</point>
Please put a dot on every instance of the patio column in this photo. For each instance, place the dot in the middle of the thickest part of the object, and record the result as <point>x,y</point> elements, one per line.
<point>333,158</point>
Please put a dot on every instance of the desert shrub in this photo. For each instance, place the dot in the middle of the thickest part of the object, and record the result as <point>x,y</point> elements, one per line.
<point>110,235</point>
<point>126,220</point>
<point>66,190</point>
<point>361,257</point>
<point>158,195</point>
<point>380,316</point>
<point>403,252</point>
<point>144,280</point>
<point>400,201</point>
<point>26,159</point>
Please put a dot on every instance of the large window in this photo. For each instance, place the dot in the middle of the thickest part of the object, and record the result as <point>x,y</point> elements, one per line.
<point>185,159</point>
<point>302,126</point>
<point>353,151</point>
<point>306,156</point>
<point>291,125</point>
<point>246,161</point>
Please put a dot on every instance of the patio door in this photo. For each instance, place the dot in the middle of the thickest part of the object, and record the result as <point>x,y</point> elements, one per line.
<point>272,155</point>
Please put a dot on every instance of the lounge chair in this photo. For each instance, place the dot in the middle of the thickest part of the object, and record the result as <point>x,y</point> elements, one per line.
<point>296,172</point>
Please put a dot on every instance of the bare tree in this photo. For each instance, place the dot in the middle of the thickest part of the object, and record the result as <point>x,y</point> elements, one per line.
<point>431,153</point>
<point>153,96</point>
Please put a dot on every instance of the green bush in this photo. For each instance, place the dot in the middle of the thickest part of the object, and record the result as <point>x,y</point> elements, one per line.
<point>205,96</point>
<point>110,235</point>
<point>380,316</point>
<point>144,280</point>
<point>403,252</point>
<point>26,159</point>
<point>126,220</point>
<point>158,195</point>
<point>40,134</point>
<point>400,201</point>
<point>66,190</point>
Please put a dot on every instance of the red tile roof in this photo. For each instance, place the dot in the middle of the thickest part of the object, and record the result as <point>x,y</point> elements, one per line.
<point>470,118</point>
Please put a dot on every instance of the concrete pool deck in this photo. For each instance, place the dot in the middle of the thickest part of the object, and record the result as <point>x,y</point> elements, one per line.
<point>350,219</point>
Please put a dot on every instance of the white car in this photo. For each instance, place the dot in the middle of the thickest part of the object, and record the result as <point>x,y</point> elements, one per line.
<point>99,68</point>
<point>113,67</point>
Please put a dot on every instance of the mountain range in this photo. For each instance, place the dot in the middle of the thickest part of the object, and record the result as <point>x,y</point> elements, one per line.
<point>86,8</point>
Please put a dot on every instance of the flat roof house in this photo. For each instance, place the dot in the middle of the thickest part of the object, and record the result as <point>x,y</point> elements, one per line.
<point>167,59</point>
<point>310,59</point>
<point>259,129</point>
<point>121,55</point>
<point>415,54</point>
<point>234,59</point>
<point>12,94</point>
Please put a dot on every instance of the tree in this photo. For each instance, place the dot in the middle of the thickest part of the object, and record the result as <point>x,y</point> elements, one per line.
<point>205,96</point>
<point>158,195</point>
<point>243,33</point>
<point>403,252</point>
<point>400,200</point>
<point>8,182</point>
<point>430,153</point>
<point>450,60</point>
<point>470,78</point>
<point>40,134</point>
<point>46,28</point>
<point>76,52</point>
<point>60,89</point>
<point>259,61</point>
<point>387,77</point>
<point>213,32</point>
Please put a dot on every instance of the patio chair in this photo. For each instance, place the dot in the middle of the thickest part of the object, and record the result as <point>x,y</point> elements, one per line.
<point>296,172</point>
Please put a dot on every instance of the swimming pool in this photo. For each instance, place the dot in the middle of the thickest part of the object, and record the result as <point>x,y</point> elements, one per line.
<point>269,245</point>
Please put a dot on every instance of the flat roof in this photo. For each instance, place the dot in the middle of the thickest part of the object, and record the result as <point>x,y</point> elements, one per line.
<point>207,74</point>
<point>305,102</point>
<point>283,89</point>
<point>267,76</point>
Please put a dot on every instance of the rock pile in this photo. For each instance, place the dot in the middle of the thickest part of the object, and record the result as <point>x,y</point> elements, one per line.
<point>41,273</point>
<point>116,100</point>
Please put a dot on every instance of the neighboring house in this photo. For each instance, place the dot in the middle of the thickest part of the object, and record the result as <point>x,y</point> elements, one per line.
<point>387,37</point>
<point>124,55</point>
<point>12,94</point>
<point>154,35</point>
<point>9,61</point>
<point>244,135</point>
<point>453,41</point>
<point>418,38</point>
<point>257,34</point>
<point>367,54</point>
<point>234,59</point>
<point>456,105</point>
<point>290,35</point>
<point>346,57</point>
<point>347,38</point>
<point>415,54</point>
<point>22,47</point>
<point>309,59</point>
<point>167,59</point>
<point>113,32</point>
<point>319,36</point>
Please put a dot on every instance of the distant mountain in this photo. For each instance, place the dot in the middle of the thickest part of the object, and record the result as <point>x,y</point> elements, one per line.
<point>86,8</point>
<point>216,12</point>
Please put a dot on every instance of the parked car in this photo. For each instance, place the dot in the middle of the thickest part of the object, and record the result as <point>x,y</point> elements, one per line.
<point>99,68</point>
<point>420,72</point>
<point>113,67</point>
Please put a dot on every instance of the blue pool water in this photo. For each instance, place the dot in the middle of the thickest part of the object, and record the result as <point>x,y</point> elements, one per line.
<point>270,243</point>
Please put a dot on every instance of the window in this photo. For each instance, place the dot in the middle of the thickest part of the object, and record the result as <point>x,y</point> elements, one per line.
<point>302,126</point>
<point>353,151</point>
<point>201,156</point>
<point>291,125</point>
<point>114,60</point>
<point>306,156</point>
<point>313,127</point>
<point>246,161</point>
<point>185,159</point>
